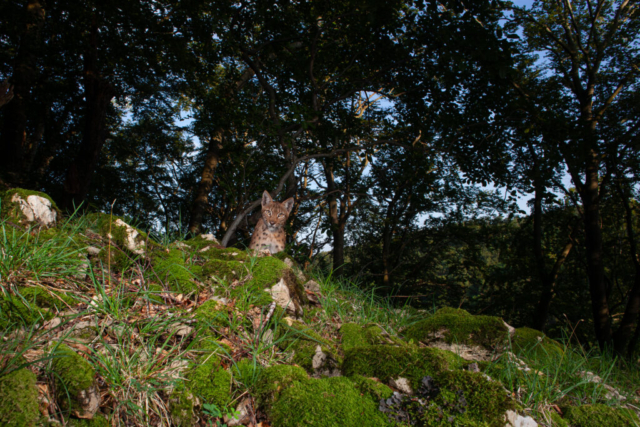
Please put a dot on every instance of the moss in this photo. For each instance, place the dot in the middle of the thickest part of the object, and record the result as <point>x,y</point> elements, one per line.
<point>556,420</point>
<point>210,381</point>
<point>535,344</point>
<point>326,402</point>
<point>246,372</point>
<point>370,387</point>
<point>19,399</point>
<point>213,314</point>
<point>171,268</point>
<point>199,243</point>
<point>48,299</point>
<point>354,335</point>
<point>105,224</point>
<point>226,270</point>
<point>387,362</point>
<point>266,272</point>
<point>469,399</point>
<point>119,261</point>
<point>15,309</point>
<point>72,373</point>
<point>599,415</point>
<point>303,341</point>
<point>181,405</point>
<point>223,254</point>
<point>274,380</point>
<point>12,209</point>
<point>458,326</point>
<point>96,421</point>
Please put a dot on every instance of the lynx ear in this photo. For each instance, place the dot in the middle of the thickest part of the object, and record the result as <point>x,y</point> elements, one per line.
<point>266,198</point>
<point>288,204</point>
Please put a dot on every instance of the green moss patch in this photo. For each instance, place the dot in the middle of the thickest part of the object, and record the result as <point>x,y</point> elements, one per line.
<point>327,402</point>
<point>599,415</point>
<point>534,343</point>
<point>171,268</point>
<point>372,388</point>
<point>213,314</point>
<point>458,326</point>
<point>48,299</point>
<point>386,362</point>
<point>354,335</point>
<point>73,374</point>
<point>181,405</point>
<point>19,399</point>
<point>16,309</point>
<point>303,341</point>
<point>209,380</point>
<point>274,380</point>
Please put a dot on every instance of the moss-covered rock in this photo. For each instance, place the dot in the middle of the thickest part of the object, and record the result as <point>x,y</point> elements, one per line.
<point>599,415</point>
<point>19,399</point>
<point>18,200</point>
<point>125,236</point>
<point>171,268</point>
<point>48,299</point>
<point>273,381</point>
<point>370,387</point>
<point>18,309</point>
<point>327,402</point>
<point>315,354</point>
<point>473,337</point>
<point>209,380</point>
<point>181,404</point>
<point>354,335</point>
<point>535,344</point>
<point>75,381</point>
<point>390,362</point>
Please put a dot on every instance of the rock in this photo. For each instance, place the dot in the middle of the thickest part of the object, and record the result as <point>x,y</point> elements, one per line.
<point>513,419</point>
<point>181,330</point>
<point>292,265</point>
<point>401,384</point>
<point>93,251</point>
<point>210,238</point>
<point>36,209</point>
<point>324,364</point>
<point>280,294</point>
<point>312,286</point>
<point>243,414</point>
<point>132,241</point>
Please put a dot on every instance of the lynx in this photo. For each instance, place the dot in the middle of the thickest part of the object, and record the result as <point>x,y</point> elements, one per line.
<point>269,233</point>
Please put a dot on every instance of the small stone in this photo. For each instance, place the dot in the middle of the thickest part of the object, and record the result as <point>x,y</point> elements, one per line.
<point>210,238</point>
<point>244,413</point>
<point>181,330</point>
<point>513,419</point>
<point>401,384</point>
<point>280,294</point>
<point>312,286</point>
<point>93,251</point>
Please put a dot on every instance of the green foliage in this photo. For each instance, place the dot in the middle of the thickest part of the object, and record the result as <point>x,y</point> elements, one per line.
<point>171,268</point>
<point>274,380</point>
<point>209,380</point>
<point>73,374</point>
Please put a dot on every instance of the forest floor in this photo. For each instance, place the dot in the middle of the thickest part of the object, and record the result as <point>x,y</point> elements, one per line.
<point>103,326</point>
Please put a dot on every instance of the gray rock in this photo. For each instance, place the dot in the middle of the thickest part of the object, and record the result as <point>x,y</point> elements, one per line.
<point>36,209</point>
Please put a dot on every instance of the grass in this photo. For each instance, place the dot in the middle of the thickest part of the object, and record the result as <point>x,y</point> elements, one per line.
<point>142,336</point>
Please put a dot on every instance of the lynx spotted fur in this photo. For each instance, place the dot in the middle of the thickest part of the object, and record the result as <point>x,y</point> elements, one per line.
<point>269,232</point>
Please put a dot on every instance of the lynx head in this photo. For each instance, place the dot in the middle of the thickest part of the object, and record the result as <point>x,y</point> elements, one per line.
<point>275,214</point>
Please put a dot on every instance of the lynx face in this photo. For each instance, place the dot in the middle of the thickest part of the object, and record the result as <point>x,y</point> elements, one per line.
<point>269,233</point>
<point>275,214</point>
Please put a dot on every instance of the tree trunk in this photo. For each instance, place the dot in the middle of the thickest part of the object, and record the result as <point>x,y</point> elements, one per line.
<point>632,312</point>
<point>201,199</point>
<point>14,131</point>
<point>593,240</point>
<point>337,228</point>
<point>98,95</point>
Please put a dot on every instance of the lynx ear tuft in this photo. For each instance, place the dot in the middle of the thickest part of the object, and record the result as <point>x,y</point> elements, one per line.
<point>266,198</point>
<point>288,204</point>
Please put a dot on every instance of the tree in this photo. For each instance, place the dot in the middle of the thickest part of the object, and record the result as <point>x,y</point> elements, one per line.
<point>590,61</point>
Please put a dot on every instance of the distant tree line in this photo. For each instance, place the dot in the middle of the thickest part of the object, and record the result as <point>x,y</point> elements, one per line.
<point>386,120</point>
